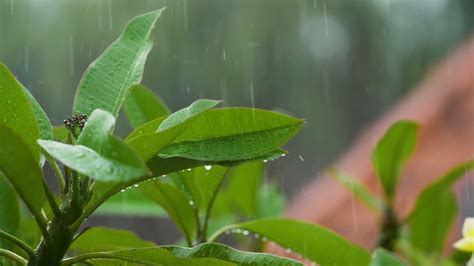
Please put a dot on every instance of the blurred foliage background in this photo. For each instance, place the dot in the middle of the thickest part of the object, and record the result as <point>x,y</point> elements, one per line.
<point>337,63</point>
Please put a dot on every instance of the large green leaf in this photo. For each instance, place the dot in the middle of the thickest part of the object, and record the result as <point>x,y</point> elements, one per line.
<point>106,239</point>
<point>381,257</point>
<point>391,153</point>
<point>435,211</point>
<point>106,82</point>
<point>176,204</point>
<point>225,253</point>
<point>309,240</point>
<point>9,209</point>
<point>149,144</point>
<point>354,186</point>
<point>22,170</point>
<point>98,154</point>
<point>16,111</point>
<point>232,134</point>
<point>201,183</point>
<point>143,256</point>
<point>143,105</point>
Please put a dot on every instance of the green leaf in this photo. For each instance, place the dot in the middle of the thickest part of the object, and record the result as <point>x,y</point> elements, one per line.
<point>131,202</point>
<point>143,105</point>
<point>391,153</point>
<point>201,183</point>
<point>22,170</point>
<point>176,204</point>
<point>381,257</point>
<point>354,186</point>
<point>435,211</point>
<point>9,209</point>
<point>149,144</point>
<point>98,155</point>
<point>242,188</point>
<point>232,134</point>
<point>106,239</point>
<point>16,111</point>
<point>271,201</point>
<point>225,253</point>
<point>143,256</point>
<point>106,82</point>
<point>309,240</point>
<point>45,129</point>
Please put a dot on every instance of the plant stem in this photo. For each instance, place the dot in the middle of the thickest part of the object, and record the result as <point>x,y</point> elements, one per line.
<point>203,237</point>
<point>18,242</point>
<point>56,170</point>
<point>13,256</point>
<point>50,197</point>
<point>390,229</point>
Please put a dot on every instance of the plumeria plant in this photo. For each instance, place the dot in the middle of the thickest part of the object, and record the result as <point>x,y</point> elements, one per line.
<point>203,165</point>
<point>466,244</point>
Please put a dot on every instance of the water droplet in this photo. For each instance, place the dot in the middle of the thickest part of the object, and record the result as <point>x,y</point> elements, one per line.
<point>191,203</point>
<point>238,231</point>
<point>245,233</point>
<point>264,239</point>
<point>265,161</point>
<point>208,167</point>
<point>123,190</point>
<point>301,158</point>
<point>256,236</point>
<point>136,185</point>
<point>288,250</point>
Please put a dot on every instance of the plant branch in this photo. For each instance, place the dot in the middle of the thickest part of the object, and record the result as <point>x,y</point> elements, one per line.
<point>94,255</point>
<point>13,256</point>
<point>50,198</point>
<point>18,242</point>
<point>57,171</point>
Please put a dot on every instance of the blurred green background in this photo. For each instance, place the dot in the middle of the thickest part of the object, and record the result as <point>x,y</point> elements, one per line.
<point>337,63</point>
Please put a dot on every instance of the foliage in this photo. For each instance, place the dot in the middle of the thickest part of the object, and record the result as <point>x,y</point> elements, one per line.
<point>204,167</point>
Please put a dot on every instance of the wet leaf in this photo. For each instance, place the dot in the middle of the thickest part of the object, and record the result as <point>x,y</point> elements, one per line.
<point>391,153</point>
<point>143,105</point>
<point>309,240</point>
<point>226,253</point>
<point>10,209</point>
<point>106,82</point>
<point>98,154</point>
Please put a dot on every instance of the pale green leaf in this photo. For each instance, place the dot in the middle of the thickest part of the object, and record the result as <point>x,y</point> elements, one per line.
<point>45,129</point>
<point>391,153</point>
<point>97,154</point>
<point>435,211</point>
<point>9,209</point>
<point>143,105</point>
<point>311,241</point>
<point>106,82</point>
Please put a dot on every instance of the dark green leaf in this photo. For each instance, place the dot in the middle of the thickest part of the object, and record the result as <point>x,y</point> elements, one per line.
<point>16,111</point>
<point>392,151</point>
<point>176,204</point>
<point>9,209</point>
<point>435,211</point>
<point>354,186</point>
<point>98,155</point>
<point>381,257</point>
<point>45,129</point>
<point>232,134</point>
<point>106,82</point>
<point>106,239</point>
<point>143,105</point>
<point>309,240</point>
<point>225,253</point>
<point>21,169</point>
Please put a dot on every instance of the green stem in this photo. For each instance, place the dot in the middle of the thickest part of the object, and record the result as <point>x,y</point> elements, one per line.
<point>57,171</point>
<point>18,242</point>
<point>203,237</point>
<point>389,230</point>
<point>13,256</point>
<point>50,198</point>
